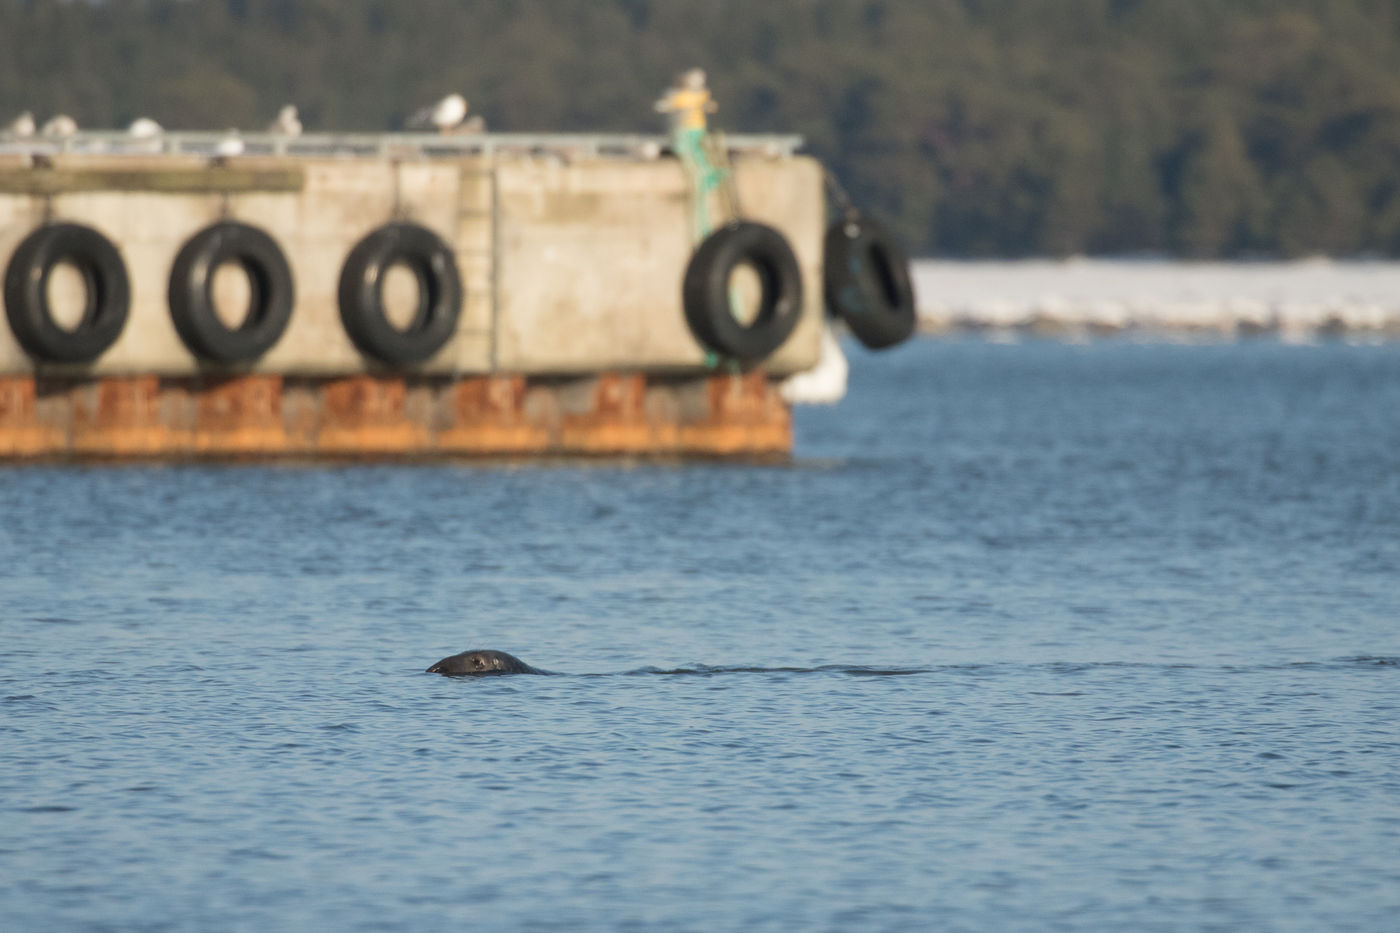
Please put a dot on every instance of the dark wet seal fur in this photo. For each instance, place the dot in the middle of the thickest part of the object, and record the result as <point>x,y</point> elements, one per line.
<point>481,663</point>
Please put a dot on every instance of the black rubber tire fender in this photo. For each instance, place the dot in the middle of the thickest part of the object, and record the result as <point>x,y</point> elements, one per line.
<point>867,284</point>
<point>706,291</point>
<point>26,292</point>
<point>440,293</point>
<point>191,294</point>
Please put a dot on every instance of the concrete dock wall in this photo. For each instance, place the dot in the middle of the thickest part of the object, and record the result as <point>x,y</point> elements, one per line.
<point>571,339</point>
<point>569,266</point>
<point>592,256</point>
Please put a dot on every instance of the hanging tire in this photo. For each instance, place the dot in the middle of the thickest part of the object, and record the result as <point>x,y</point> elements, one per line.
<point>106,305</point>
<point>866,278</point>
<point>708,288</point>
<point>362,294</point>
<point>191,294</point>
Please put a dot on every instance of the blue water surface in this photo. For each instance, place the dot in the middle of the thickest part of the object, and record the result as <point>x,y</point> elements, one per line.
<point>1027,637</point>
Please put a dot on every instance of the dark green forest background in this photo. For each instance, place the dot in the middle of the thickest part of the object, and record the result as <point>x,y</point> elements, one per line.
<point>980,127</point>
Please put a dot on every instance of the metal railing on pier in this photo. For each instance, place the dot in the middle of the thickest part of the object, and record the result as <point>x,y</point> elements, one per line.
<point>383,145</point>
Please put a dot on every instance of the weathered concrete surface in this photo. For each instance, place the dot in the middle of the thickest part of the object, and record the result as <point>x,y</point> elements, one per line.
<point>316,226</point>
<point>177,176</point>
<point>593,254</point>
<point>576,270</point>
<point>270,416</point>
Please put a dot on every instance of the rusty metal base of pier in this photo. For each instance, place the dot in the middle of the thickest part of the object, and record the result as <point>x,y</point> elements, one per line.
<point>271,417</point>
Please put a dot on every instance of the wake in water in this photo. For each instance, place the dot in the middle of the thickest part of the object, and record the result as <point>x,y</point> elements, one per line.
<point>706,670</point>
<point>481,663</point>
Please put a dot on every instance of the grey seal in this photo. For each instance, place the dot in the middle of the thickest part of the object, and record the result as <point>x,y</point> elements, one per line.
<point>479,663</point>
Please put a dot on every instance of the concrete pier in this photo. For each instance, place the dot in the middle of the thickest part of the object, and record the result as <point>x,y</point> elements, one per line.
<point>571,337</point>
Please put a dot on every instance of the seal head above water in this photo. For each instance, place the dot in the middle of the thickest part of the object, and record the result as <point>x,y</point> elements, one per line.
<point>479,663</point>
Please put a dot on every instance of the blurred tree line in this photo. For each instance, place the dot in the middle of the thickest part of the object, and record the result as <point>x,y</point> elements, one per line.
<point>980,127</point>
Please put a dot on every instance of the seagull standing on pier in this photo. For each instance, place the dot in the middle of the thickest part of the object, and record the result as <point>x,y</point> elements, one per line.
<point>443,116</point>
<point>230,145</point>
<point>60,125</point>
<point>287,122</point>
<point>22,125</point>
<point>144,128</point>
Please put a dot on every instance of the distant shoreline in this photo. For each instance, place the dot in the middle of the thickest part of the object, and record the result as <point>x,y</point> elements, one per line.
<point>1299,301</point>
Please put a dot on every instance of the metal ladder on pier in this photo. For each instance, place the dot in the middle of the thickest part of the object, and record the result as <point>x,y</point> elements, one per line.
<point>478,227</point>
